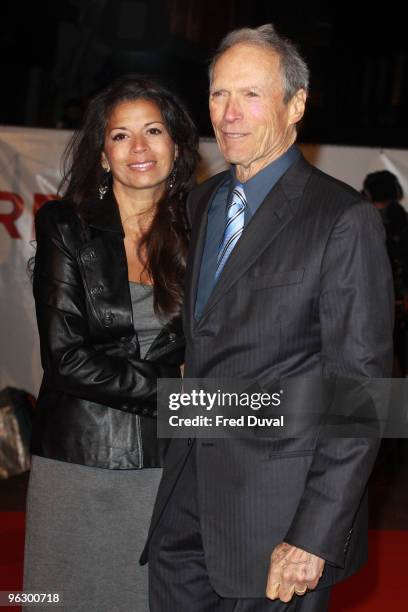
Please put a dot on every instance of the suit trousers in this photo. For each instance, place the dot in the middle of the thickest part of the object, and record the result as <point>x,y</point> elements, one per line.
<point>178,577</point>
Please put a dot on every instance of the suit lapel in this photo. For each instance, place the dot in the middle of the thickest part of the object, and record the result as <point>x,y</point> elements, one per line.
<point>197,241</point>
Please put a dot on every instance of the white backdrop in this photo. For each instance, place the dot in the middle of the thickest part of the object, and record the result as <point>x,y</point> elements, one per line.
<point>29,175</point>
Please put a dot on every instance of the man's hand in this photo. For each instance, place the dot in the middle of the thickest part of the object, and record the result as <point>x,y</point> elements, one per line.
<point>292,570</point>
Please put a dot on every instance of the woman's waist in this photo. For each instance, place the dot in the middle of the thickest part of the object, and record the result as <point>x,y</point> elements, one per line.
<point>79,431</point>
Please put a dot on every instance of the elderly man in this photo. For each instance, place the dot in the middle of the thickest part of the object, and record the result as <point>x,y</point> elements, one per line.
<point>287,277</point>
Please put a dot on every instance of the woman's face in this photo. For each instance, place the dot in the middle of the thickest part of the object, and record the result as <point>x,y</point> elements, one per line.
<point>138,148</point>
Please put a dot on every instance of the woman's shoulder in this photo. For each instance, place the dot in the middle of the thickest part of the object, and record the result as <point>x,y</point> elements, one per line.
<point>56,210</point>
<point>59,218</point>
<point>58,214</point>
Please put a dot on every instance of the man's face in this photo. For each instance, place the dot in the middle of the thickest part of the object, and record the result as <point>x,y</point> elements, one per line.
<point>251,121</point>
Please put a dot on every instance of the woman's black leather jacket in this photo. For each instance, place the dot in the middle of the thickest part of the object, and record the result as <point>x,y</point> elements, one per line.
<point>97,402</point>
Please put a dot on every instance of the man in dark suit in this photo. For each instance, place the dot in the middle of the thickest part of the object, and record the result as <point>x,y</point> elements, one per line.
<point>287,277</point>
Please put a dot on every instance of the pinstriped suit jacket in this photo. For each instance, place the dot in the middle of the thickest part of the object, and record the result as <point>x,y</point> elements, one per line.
<point>306,292</point>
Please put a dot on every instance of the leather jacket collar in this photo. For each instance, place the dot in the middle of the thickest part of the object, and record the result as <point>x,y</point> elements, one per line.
<point>103,214</point>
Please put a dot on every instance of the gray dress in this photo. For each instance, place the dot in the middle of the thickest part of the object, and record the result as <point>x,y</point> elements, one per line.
<point>85,526</point>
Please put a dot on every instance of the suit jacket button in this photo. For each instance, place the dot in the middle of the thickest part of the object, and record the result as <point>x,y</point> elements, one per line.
<point>189,441</point>
<point>172,337</point>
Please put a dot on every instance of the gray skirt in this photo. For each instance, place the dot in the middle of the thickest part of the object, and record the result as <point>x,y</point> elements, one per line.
<point>85,530</point>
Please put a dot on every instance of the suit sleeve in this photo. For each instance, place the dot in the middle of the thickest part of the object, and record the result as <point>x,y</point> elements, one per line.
<point>356,317</point>
<point>71,363</point>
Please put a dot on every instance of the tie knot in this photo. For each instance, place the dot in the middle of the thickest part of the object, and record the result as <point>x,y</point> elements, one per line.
<point>239,188</point>
<point>238,199</point>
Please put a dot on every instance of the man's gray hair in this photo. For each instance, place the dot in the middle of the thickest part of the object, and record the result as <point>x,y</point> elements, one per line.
<point>295,73</point>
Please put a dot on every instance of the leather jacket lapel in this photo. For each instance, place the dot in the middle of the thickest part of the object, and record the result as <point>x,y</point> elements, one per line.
<point>103,214</point>
<point>103,265</point>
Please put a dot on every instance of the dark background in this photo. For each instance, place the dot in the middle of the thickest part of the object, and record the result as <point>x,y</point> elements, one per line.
<point>56,54</point>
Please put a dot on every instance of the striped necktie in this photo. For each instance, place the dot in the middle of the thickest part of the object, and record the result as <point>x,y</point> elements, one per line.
<point>234,227</point>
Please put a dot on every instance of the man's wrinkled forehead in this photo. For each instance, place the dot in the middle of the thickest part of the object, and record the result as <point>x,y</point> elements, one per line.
<point>246,59</point>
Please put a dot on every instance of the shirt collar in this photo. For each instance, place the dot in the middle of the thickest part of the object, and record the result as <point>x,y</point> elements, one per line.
<point>258,187</point>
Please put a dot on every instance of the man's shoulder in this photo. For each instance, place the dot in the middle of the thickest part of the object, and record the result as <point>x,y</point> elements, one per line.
<point>334,201</point>
<point>334,186</point>
<point>327,199</point>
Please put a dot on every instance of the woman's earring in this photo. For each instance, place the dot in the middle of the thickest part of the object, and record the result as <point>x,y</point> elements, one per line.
<point>104,186</point>
<point>172,178</point>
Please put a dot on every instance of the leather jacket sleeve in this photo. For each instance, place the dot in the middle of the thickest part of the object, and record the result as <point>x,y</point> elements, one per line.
<point>72,361</point>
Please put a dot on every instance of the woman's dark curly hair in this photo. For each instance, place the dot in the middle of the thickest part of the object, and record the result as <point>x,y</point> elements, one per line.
<point>165,243</point>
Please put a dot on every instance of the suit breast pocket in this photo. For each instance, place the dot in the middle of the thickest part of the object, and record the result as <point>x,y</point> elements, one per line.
<point>276,279</point>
